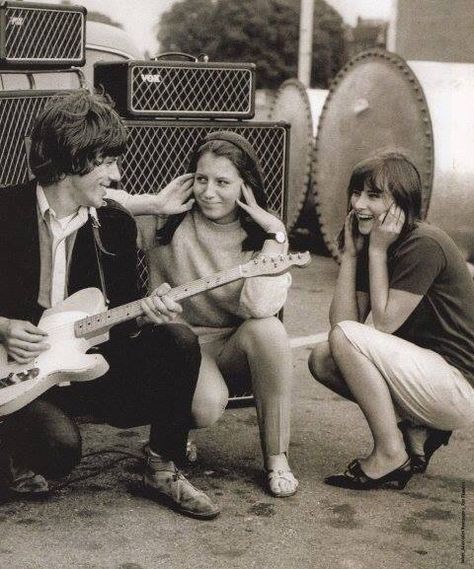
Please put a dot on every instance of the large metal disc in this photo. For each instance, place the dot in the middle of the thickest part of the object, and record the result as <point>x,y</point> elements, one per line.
<point>292,105</point>
<point>374,103</point>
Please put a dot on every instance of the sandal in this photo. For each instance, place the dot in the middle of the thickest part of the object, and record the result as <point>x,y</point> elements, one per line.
<point>435,439</point>
<point>274,480</point>
<point>355,478</point>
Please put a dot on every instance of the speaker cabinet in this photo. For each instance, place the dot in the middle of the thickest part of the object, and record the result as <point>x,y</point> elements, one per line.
<point>34,35</point>
<point>18,111</point>
<point>179,89</point>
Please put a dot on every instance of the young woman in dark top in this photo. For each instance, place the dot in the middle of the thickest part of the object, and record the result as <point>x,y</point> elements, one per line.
<point>412,371</point>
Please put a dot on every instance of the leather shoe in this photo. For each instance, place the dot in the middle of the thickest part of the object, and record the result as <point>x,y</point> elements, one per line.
<point>355,478</point>
<point>435,439</point>
<point>168,485</point>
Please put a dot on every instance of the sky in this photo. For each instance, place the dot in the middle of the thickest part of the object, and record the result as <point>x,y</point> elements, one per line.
<point>139,16</point>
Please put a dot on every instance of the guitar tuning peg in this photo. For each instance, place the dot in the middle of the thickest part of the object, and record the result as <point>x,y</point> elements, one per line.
<point>281,257</point>
<point>290,256</point>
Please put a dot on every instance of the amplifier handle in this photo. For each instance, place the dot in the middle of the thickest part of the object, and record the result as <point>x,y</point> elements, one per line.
<point>180,54</point>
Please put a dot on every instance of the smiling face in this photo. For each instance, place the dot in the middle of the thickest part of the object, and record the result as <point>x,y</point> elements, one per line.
<point>89,189</point>
<point>368,205</point>
<point>217,184</point>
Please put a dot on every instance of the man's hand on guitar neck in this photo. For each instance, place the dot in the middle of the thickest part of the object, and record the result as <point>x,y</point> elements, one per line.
<point>22,340</point>
<point>158,308</point>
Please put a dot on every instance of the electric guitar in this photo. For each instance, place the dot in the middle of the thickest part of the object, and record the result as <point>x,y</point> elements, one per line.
<point>82,321</point>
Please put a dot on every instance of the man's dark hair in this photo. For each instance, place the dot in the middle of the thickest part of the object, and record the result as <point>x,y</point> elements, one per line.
<point>73,134</point>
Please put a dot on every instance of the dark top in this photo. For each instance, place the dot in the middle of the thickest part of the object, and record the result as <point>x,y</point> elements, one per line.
<point>427,262</point>
<point>20,255</point>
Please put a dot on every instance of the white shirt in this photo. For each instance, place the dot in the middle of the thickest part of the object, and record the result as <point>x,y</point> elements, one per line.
<point>59,230</point>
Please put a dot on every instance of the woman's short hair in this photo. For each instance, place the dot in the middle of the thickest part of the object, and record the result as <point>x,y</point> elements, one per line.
<point>72,135</point>
<point>393,172</point>
<point>241,154</point>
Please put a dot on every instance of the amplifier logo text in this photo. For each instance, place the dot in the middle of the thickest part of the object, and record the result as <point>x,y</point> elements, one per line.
<point>150,77</point>
<point>16,21</point>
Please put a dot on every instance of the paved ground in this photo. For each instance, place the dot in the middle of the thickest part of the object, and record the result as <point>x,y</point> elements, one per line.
<point>101,522</point>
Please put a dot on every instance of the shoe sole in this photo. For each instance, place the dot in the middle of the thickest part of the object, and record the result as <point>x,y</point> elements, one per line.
<point>165,500</point>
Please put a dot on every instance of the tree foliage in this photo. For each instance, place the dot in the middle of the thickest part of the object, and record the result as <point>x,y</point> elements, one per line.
<point>94,16</point>
<point>103,18</point>
<point>264,32</point>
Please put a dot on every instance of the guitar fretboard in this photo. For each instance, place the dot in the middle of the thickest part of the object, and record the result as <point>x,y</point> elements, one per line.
<point>98,323</point>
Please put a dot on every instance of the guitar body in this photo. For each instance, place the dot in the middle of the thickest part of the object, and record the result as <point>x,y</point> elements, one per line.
<point>65,361</point>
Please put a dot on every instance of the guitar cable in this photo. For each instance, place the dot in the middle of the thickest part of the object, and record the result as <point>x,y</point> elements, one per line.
<point>126,455</point>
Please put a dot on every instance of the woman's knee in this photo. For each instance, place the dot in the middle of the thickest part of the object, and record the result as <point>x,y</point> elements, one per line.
<point>269,331</point>
<point>319,361</point>
<point>208,406</point>
<point>339,337</point>
<point>211,395</point>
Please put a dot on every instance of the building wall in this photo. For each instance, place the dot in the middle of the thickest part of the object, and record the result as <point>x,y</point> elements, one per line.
<point>434,30</point>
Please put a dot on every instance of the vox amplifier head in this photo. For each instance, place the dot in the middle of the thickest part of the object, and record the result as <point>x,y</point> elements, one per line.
<point>181,89</point>
<point>41,35</point>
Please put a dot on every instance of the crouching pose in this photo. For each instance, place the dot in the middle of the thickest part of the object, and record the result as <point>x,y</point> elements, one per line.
<point>416,362</point>
<point>60,236</point>
<point>241,338</point>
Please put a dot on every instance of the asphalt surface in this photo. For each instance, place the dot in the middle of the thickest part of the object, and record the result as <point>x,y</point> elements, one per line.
<point>97,518</point>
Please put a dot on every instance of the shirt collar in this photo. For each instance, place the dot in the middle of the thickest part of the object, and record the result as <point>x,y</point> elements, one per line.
<point>44,207</point>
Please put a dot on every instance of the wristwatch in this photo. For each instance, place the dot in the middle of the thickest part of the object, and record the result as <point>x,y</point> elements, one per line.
<point>279,236</point>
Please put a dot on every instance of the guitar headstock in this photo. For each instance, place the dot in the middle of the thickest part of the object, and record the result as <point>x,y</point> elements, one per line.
<point>275,264</point>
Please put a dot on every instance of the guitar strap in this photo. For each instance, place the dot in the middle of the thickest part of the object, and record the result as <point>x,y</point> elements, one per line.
<point>99,250</point>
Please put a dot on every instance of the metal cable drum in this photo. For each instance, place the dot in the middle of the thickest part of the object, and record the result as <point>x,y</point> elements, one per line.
<point>300,107</point>
<point>377,102</point>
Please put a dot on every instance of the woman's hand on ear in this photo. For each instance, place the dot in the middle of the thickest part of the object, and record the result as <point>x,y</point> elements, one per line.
<point>176,196</point>
<point>387,228</point>
<point>267,221</point>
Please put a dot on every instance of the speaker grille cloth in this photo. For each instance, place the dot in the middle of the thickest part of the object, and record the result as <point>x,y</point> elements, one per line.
<point>191,90</point>
<point>33,34</point>
<point>17,115</point>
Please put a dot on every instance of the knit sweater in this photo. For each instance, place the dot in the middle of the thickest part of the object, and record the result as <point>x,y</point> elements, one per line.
<point>201,247</point>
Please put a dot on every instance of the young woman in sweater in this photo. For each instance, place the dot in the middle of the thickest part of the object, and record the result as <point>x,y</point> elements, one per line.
<point>241,338</point>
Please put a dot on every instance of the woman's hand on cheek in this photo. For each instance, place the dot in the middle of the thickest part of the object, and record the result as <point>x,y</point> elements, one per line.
<point>266,220</point>
<point>353,240</point>
<point>387,228</point>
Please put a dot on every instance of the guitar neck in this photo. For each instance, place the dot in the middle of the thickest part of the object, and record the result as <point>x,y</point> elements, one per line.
<point>100,323</point>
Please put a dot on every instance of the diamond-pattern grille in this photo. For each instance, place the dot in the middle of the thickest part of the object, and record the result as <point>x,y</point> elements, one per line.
<point>192,90</point>
<point>157,153</point>
<point>17,115</point>
<point>49,35</point>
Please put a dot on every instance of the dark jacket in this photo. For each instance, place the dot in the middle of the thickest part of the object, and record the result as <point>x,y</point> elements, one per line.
<point>20,254</point>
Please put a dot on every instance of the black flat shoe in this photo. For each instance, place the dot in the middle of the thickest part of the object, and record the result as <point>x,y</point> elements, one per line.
<point>355,478</point>
<point>435,440</point>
